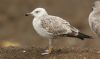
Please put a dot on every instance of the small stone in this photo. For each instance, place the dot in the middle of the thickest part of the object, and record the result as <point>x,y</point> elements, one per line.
<point>23,51</point>
<point>85,58</point>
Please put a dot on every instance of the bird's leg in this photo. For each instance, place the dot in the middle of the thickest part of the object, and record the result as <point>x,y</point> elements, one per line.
<point>50,46</point>
<point>49,50</point>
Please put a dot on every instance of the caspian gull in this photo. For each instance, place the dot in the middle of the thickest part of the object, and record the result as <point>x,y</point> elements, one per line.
<point>51,27</point>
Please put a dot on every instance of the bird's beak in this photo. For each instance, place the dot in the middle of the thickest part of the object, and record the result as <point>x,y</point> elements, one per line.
<point>27,14</point>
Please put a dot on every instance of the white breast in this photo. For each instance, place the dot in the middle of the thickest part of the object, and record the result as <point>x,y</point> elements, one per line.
<point>39,29</point>
<point>92,18</point>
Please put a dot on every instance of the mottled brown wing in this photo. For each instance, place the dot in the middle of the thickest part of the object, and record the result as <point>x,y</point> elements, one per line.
<point>97,28</point>
<point>55,25</point>
<point>95,25</point>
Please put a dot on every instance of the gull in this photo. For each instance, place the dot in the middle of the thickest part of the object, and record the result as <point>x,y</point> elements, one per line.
<point>51,27</point>
<point>94,18</point>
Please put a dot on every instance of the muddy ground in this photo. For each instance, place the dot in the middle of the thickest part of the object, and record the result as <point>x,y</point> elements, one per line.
<point>35,53</point>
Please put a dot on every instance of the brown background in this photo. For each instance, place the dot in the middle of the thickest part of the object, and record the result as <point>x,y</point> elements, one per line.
<point>16,27</point>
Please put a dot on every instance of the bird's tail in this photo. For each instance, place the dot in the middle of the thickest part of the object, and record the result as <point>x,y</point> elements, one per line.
<point>83,36</point>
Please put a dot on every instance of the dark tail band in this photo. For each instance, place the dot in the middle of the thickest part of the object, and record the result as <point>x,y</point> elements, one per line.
<point>83,36</point>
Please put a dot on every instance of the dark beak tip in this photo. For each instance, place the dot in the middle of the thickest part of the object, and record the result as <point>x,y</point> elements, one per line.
<point>26,14</point>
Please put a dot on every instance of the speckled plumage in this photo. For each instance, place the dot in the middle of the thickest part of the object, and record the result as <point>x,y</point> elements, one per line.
<point>48,25</point>
<point>56,25</point>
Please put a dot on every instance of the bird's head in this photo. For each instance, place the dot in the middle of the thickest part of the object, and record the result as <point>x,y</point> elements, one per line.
<point>96,6</point>
<point>37,12</point>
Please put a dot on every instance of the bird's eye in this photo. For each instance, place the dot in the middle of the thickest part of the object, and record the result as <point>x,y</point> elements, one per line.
<point>37,11</point>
